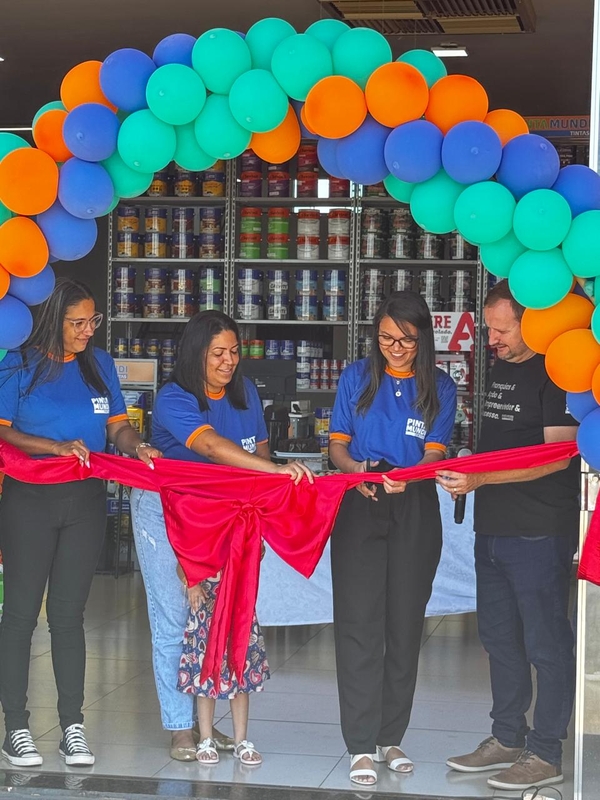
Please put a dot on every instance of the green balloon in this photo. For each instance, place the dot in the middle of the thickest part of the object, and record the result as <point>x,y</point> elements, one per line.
<point>175,94</point>
<point>217,131</point>
<point>113,205</point>
<point>429,65</point>
<point>52,106</point>
<point>358,52</point>
<point>540,279</point>
<point>188,153</point>
<point>263,37</point>
<point>542,219</point>
<point>146,143</point>
<point>220,56</point>
<point>299,62</point>
<point>127,182</point>
<point>3,354</point>
<point>432,203</point>
<point>257,101</point>
<point>581,246</point>
<point>484,212</point>
<point>498,257</point>
<point>399,190</point>
<point>10,142</point>
<point>327,31</point>
<point>5,213</point>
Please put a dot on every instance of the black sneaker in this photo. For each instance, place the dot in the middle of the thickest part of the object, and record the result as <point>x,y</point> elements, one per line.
<point>74,748</point>
<point>19,749</point>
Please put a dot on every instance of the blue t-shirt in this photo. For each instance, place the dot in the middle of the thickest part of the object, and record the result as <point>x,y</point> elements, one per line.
<point>392,428</point>
<point>177,420</point>
<point>62,409</point>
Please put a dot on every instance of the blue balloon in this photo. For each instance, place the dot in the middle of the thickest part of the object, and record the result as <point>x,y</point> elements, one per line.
<point>360,155</point>
<point>68,237</point>
<point>588,438</point>
<point>35,290</point>
<point>327,150</point>
<point>306,134</point>
<point>413,151</point>
<point>580,186</point>
<point>580,404</point>
<point>529,162</point>
<point>90,132</point>
<point>471,152</point>
<point>17,323</point>
<point>174,49</point>
<point>85,190</point>
<point>123,78</point>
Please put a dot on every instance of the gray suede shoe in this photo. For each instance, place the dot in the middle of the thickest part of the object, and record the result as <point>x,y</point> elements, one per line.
<point>490,754</point>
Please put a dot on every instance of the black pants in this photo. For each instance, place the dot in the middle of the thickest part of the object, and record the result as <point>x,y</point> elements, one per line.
<point>48,534</point>
<point>383,558</point>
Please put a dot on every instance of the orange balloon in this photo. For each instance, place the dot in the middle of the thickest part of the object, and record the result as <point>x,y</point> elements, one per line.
<point>281,144</point>
<point>335,107</point>
<point>571,360</point>
<point>396,93</point>
<point>304,121</point>
<point>48,135</point>
<point>507,124</point>
<point>82,85</point>
<point>454,99</point>
<point>4,282</point>
<point>539,327</point>
<point>23,247</point>
<point>28,181</point>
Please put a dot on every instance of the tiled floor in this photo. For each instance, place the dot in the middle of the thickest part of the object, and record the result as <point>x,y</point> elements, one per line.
<point>295,722</point>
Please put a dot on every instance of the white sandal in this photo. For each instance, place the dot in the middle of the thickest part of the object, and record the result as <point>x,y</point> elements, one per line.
<point>362,773</point>
<point>244,750</point>
<point>397,764</point>
<point>207,746</point>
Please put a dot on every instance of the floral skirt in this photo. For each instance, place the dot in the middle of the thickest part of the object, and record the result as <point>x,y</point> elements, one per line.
<point>195,637</point>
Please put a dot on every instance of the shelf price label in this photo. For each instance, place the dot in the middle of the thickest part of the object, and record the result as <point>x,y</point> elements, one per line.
<point>453,331</point>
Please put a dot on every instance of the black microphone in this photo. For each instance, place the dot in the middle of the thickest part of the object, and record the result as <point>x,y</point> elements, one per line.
<point>461,501</point>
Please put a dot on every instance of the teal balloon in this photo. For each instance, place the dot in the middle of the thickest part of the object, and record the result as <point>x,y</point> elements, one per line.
<point>484,212</point>
<point>432,203</point>
<point>127,182</point>
<point>498,257</point>
<point>220,56</point>
<point>542,219</point>
<point>3,354</point>
<point>175,94</point>
<point>299,62</point>
<point>263,37</point>
<point>54,105</point>
<point>146,143</point>
<point>540,279</point>
<point>257,101</point>
<point>429,65</point>
<point>359,52</point>
<point>327,31</point>
<point>399,190</point>
<point>10,142</point>
<point>114,204</point>
<point>581,246</point>
<point>188,153</point>
<point>217,131</point>
<point>5,213</point>
<point>594,325</point>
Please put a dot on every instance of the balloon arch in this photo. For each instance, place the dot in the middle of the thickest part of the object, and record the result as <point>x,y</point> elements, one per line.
<point>429,136</point>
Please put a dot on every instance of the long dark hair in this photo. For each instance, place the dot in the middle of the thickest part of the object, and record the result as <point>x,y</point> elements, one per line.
<point>190,368</point>
<point>403,307</point>
<point>47,339</point>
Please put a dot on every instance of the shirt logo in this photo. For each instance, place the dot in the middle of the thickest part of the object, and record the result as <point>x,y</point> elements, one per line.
<point>416,428</point>
<point>249,444</point>
<point>100,405</point>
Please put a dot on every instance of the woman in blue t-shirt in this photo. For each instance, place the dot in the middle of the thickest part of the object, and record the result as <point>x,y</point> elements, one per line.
<point>59,396</point>
<point>207,412</point>
<point>392,409</point>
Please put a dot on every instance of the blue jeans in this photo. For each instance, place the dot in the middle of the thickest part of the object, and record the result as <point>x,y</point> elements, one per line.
<point>167,607</point>
<point>522,612</point>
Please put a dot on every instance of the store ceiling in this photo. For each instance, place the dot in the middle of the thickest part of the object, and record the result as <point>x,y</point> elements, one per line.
<point>546,72</point>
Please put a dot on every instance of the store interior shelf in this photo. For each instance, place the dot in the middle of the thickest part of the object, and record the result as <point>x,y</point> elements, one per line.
<point>426,263</point>
<point>308,202</point>
<point>175,201</point>
<point>288,322</point>
<point>207,261</point>
<point>385,202</point>
<point>276,263</point>
<point>151,320</point>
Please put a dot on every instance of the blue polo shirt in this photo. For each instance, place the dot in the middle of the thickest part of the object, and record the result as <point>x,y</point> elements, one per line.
<point>62,409</point>
<point>177,421</point>
<point>392,428</point>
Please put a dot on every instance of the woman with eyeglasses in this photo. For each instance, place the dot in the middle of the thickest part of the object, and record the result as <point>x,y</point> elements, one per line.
<point>59,396</point>
<point>392,409</point>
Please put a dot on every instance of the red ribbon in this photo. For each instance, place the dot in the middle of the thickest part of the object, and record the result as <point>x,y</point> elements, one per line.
<point>215,517</point>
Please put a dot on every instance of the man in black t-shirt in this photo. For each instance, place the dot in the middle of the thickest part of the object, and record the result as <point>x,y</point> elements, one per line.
<point>526,523</point>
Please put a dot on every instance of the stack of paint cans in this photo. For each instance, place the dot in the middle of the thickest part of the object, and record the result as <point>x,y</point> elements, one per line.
<point>372,293</point>
<point>250,232</point>
<point>338,234</point>
<point>373,234</point>
<point>155,300</point>
<point>163,350</point>
<point>401,280</point>
<point>365,344</point>
<point>251,175</point>
<point>278,233</point>
<point>430,288</point>
<point>168,353</point>
<point>210,289</point>
<point>324,373</point>
<point>183,244</point>
<point>284,349</point>
<point>183,302</point>
<point>334,295</point>
<point>306,352</point>
<point>308,170</point>
<point>460,249</point>
<point>278,294</point>
<point>429,246</point>
<point>322,420</point>
<point>250,304</point>
<point>401,243</point>
<point>126,304</point>
<point>185,182</point>
<point>305,301</point>
<point>460,291</point>
<point>309,234</point>
<point>213,180</point>
<point>278,180</point>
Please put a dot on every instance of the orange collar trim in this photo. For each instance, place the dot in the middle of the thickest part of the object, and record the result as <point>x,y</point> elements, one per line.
<point>216,395</point>
<point>395,374</point>
<point>66,359</point>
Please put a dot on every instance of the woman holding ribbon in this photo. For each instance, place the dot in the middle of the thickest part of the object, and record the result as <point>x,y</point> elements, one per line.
<point>207,412</point>
<point>392,409</point>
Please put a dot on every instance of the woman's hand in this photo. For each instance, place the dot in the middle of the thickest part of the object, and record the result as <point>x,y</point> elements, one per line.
<point>147,454</point>
<point>368,490</point>
<point>196,597</point>
<point>296,470</point>
<point>393,487</point>
<point>76,447</point>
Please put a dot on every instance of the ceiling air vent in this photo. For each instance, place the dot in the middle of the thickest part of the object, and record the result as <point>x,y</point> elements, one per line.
<point>436,16</point>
